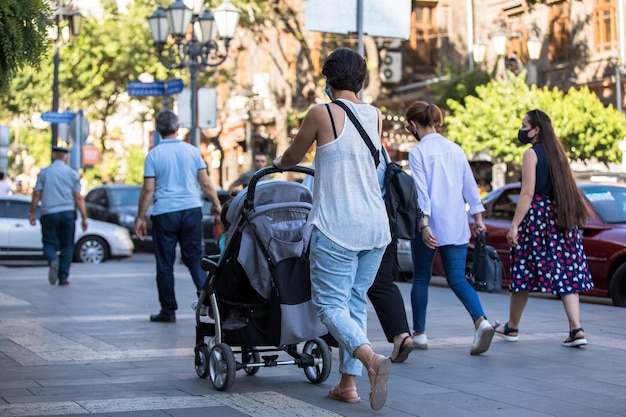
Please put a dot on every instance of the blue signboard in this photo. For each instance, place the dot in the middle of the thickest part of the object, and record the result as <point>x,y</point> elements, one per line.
<point>56,117</point>
<point>174,86</point>
<point>156,88</point>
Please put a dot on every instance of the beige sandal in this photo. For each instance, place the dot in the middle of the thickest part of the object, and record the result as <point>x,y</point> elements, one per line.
<point>378,371</point>
<point>339,394</point>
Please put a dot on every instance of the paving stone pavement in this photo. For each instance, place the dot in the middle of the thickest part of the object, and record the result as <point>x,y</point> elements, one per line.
<point>90,349</point>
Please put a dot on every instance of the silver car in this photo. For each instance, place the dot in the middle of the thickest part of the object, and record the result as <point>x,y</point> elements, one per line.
<point>405,262</point>
<point>19,240</point>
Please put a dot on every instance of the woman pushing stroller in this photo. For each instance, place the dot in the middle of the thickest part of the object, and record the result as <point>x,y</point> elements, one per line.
<point>350,224</point>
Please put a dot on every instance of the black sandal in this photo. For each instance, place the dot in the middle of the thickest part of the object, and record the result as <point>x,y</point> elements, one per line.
<point>573,341</point>
<point>403,351</point>
<point>506,334</point>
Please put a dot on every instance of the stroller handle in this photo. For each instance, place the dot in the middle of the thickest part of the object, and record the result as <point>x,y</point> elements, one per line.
<point>249,203</point>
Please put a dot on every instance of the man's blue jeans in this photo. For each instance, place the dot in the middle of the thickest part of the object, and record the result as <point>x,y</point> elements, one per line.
<point>340,279</point>
<point>57,235</point>
<point>185,228</point>
<point>453,259</point>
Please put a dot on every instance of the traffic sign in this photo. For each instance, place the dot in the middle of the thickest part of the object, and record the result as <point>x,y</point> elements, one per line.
<point>174,86</point>
<point>56,117</point>
<point>79,127</point>
<point>156,88</point>
<point>139,89</point>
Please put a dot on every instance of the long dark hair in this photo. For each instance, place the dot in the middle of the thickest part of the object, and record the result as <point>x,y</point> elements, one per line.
<point>571,207</point>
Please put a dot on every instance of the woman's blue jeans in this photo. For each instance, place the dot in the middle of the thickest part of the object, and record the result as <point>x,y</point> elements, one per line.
<point>453,259</point>
<point>340,279</point>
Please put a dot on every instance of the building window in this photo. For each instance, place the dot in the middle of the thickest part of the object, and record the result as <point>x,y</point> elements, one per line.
<point>559,47</point>
<point>605,28</point>
<point>423,39</point>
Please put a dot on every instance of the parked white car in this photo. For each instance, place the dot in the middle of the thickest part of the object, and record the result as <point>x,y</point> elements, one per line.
<point>20,240</point>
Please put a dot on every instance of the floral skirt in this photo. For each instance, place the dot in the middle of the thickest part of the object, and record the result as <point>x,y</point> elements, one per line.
<point>546,259</point>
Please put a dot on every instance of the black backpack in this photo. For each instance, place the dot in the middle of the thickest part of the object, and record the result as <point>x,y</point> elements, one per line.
<point>401,201</point>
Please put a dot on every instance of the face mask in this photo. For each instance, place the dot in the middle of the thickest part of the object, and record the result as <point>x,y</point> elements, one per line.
<point>411,131</point>
<point>329,94</point>
<point>522,136</point>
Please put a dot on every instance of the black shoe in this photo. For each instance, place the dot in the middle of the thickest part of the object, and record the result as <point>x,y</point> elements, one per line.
<point>64,282</point>
<point>163,318</point>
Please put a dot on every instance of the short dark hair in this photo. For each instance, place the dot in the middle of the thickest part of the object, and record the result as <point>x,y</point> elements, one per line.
<point>345,69</point>
<point>1,175</point>
<point>166,123</point>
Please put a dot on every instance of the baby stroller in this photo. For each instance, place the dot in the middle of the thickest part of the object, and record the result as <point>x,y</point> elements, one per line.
<point>257,296</point>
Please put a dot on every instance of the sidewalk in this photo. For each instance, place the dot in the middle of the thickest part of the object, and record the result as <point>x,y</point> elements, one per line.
<point>90,349</point>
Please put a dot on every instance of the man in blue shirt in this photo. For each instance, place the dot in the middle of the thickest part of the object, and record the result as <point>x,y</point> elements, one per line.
<point>58,189</point>
<point>172,172</point>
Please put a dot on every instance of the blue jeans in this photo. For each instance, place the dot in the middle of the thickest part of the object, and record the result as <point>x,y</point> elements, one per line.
<point>453,259</point>
<point>185,228</point>
<point>340,279</point>
<point>57,235</point>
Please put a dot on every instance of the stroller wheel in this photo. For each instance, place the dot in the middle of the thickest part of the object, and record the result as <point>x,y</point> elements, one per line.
<point>250,356</point>
<point>319,372</point>
<point>222,366</point>
<point>202,361</point>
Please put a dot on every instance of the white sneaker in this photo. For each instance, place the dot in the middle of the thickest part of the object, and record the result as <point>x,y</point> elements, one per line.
<point>420,341</point>
<point>204,310</point>
<point>210,342</point>
<point>482,338</point>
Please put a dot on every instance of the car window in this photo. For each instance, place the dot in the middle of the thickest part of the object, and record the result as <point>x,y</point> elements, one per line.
<point>504,207</point>
<point>16,210</point>
<point>97,196</point>
<point>206,204</point>
<point>125,196</point>
<point>609,202</point>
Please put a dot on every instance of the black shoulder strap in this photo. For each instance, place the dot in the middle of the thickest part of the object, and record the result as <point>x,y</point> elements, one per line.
<point>385,154</point>
<point>375,152</point>
<point>332,121</point>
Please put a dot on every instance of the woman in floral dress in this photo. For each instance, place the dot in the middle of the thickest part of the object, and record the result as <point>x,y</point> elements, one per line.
<point>546,249</point>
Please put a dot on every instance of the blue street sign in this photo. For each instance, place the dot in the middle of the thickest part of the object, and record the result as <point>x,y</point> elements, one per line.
<point>156,88</point>
<point>174,86</point>
<point>139,89</point>
<point>55,117</point>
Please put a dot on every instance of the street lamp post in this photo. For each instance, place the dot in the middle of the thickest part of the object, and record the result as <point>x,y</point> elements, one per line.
<point>68,25</point>
<point>499,40</point>
<point>184,38</point>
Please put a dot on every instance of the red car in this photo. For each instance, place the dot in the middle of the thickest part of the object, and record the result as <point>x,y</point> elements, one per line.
<point>604,235</point>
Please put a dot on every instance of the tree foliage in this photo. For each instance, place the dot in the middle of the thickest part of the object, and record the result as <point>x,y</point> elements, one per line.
<point>23,36</point>
<point>112,50</point>
<point>489,121</point>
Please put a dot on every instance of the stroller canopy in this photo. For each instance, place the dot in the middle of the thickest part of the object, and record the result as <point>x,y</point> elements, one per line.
<point>278,222</point>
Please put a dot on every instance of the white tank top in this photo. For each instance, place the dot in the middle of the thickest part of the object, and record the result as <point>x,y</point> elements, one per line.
<point>347,204</point>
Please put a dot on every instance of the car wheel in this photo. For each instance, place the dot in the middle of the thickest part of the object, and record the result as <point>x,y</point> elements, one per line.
<point>91,250</point>
<point>617,287</point>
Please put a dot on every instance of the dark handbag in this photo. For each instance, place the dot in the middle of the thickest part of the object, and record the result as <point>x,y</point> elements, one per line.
<point>487,269</point>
